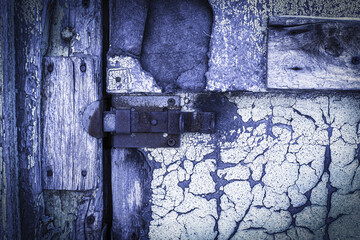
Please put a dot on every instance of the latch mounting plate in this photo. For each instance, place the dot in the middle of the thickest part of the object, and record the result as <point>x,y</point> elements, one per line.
<point>145,121</point>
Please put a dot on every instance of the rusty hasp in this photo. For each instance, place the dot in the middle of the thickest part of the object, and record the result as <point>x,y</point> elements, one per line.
<point>146,121</point>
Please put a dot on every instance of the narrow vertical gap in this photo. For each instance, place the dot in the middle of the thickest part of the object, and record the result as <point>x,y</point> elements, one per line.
<point>107,194</point>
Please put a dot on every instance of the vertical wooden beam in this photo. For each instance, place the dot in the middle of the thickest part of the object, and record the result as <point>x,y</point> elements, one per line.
<point>9,201</point>
<point>72,159</point>
<point>129,169</point>
<point>29,29</point>
<point>129,176</point>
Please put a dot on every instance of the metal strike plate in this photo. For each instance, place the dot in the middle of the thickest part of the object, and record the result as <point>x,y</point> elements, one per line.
<point>151,121</point>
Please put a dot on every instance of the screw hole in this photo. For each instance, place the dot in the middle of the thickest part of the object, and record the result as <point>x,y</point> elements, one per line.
<point>83,173</point>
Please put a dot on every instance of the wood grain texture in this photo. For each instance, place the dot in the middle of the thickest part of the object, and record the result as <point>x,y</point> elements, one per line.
<point>71,157</point>
<point>309,53</point>
<point>130,174</point>
<point>75,28</point>
<point>9,182</point>
<point>29,24</point>
<point>75,39</point>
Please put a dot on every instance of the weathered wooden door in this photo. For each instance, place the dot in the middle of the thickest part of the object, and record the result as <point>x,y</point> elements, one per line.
<point>283,162</point>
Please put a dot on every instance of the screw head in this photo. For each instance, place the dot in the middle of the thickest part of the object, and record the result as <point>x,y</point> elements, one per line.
<point>83,173</point>
<point>171,142</point>
<point>153,122</point>
<point>118,79</point>
<point>171,102</point>
<point>83,67</point>
<point>50,68</point>
<point>355,60</point>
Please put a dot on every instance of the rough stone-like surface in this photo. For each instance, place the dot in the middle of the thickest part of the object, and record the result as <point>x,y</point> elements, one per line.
<point>237,46</point>
<point>127,24</point>
<point>238,41</point>
<point>176,42</point>
<point>278,167</point>
<point>313,53</point>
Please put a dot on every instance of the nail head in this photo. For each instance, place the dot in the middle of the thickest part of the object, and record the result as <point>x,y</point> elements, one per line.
<point>83,67</point>
<point>171,142</point>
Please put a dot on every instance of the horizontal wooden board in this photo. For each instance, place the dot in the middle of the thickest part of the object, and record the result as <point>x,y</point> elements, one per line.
<point>313,53</point>
<point>71,157</point>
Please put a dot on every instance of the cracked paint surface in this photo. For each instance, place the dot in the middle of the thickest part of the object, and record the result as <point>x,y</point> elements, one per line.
<point>125,74</point>
<point>283,166</point>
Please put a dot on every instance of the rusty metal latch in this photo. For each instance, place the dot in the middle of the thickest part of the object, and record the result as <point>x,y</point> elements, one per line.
<point>145,121</point>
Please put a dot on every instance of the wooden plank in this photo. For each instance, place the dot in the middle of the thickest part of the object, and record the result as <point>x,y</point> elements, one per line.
<point>75,31</point>
<point>9,182</point>
<point>130,176</point>
<point>71,157</point>
<point>312,53</point>
<point>29,23</point>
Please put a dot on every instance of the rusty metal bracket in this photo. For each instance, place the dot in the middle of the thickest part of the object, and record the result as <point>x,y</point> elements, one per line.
<point>145,121</point>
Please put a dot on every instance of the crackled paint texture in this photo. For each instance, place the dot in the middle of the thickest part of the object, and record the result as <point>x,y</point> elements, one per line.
<point>125,75</point>
<point>279,167</point>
